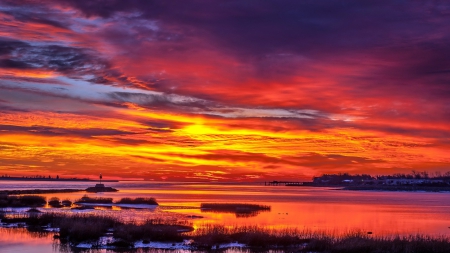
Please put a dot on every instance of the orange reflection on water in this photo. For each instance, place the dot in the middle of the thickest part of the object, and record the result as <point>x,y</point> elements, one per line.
<point>335,218</point>
<point>317,209</point>
<point>21,240</point>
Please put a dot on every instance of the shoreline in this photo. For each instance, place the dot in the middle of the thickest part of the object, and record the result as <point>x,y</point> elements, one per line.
<point>39,191</point>
<point>397,188</point>
<point>389,188</point>
<point>55,180</point>
<point>116,235</point>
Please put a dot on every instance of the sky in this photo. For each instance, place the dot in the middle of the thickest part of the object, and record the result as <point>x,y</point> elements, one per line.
<point>237,90</point>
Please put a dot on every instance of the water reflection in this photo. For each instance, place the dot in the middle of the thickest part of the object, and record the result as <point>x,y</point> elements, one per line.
<point>383,213</point>
<point>23,241</point>
<point>239,209</point>
<point>337,212</point>
<point>13,240</point>
<point>67,249</point>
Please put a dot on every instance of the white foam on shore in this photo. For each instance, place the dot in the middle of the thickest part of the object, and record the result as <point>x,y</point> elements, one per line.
<point>232,245</point>
<point>52,229</point>
<point>185,245</point>
<point>16,209</point>
<point>84,245</point>
<point>163,245</point>
<point>13,225</point>
<point>82,211</point>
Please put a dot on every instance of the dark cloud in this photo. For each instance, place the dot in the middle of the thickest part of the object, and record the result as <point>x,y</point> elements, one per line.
<point>298,26</point>
<point>30,16</point>
<point>278,38</point>
<point>71,61</point>
<point>240,156</point>
<point>51,131</point>
<point>403,46</point>
<point>9,46</point>
<point>313,160</point>
<point>161,100</point>
<point>5,108</point>
<point>67,59</point>
<point>426,131</point>
<point>8,63</point>
<point>333,161</point>
<point>407,42</point>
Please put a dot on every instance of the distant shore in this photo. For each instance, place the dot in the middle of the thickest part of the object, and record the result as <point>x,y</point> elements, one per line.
<point>39,191</point>
<point>410,188</point>
<point>54,179</point>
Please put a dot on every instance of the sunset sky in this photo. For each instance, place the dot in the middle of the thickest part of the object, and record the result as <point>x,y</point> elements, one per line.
<point>224,90</point>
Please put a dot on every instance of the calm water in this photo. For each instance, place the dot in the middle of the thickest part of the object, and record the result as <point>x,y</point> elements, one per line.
<point>323,209</point>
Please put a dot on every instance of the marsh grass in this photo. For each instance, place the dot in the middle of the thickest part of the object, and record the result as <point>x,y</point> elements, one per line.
<point>9,218</point>
<point>153,230</point>
<point>253,236</point>
<point>90,200</point>
<point>55,202</point>
<point>207,236</point>
<point>87,199</point>
<point>76,228</point>
<point>233,207</point>
<point>22,201</point>
<point>66,202</point>
<point>148,201</point>
<point>241,210</point>
<point>79,228</point>
<point>360,242</point>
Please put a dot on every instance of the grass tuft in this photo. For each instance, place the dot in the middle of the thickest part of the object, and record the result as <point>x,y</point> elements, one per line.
<point>55,202</point>
<point>22,201</point>
<point>242,210</point>
<point>87,199</point>
<point>148,201</point>
<point>66,202</point>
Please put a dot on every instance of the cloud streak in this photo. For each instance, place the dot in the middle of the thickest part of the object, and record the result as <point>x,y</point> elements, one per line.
<point>247,89</point>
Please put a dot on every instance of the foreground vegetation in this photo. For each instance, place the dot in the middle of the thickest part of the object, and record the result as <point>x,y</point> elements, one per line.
<point>89,200</point>
<point>77,228</point>
<point>307,241</point>
<point>40,201</point>
<point>74,229</point>
<point>38,191</point>
<point>22,201</point>
<point>147,201</point>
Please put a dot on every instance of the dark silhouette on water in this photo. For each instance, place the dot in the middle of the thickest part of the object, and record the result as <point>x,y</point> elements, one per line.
<point>416,181</point>
<point>101,187</point>
<point>42,178</point>
<point>241,210</point>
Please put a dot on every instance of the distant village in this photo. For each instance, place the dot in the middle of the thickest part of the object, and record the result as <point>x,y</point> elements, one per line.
<point>46,178</point>
<point>414,178</point>
<point>31,177</point>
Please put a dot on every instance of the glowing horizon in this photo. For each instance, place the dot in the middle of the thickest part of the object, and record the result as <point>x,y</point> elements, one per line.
<point>237,91</point>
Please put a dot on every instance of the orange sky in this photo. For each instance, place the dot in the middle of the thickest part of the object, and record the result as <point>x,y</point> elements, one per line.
<point>241,91</point>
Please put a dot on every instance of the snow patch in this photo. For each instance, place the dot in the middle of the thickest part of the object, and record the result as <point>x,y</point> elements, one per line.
<point>84,245</point>
<point>52,229</point>
<point>163,245</point>
<point>13,225</point>
<point>232,245</point>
